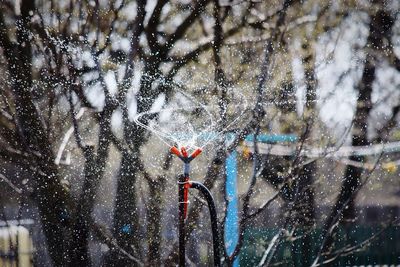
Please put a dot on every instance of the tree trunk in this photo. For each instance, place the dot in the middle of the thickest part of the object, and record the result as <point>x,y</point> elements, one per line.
<point>379,29</point>
<point>154,232</point>
<point>52,199</point>
<point>126,217</point>
<point>304,207</point>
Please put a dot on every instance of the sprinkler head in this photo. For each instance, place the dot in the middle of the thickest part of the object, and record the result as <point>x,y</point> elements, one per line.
<point>183,154</point>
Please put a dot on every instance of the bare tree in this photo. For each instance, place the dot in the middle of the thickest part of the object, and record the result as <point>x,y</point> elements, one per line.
<point>59,58</point>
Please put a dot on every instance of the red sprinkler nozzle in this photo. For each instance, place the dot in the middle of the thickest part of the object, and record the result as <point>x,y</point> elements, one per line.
<point>175,151</point>
<point>184,152</point>
<point>196,153</point>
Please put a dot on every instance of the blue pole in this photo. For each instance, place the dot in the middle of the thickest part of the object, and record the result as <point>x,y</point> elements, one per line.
<point>231,224</point>
<point>272,138</point>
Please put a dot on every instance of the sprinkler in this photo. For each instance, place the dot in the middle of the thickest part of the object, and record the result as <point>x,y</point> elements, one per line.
<point>184,184</point>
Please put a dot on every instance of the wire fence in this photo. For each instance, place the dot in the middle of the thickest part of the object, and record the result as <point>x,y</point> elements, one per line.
<point>384,250</point>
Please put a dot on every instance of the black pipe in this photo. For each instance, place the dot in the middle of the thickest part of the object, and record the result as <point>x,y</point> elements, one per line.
<point>213,216</point>
<point>181,226</point>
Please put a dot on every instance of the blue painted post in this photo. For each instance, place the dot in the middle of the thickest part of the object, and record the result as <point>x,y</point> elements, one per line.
<point>231,234</point>
<point>231,224</point>
<point>272,138</point>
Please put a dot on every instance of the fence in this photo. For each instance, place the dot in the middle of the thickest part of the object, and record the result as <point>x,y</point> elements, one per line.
<point>382,250</point>
<point>16,248</point>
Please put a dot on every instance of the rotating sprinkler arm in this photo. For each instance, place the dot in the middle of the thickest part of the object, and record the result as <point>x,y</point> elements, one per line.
<point>183,155</point>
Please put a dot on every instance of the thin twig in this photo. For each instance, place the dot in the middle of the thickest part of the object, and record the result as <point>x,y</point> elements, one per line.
<point>7,181</point>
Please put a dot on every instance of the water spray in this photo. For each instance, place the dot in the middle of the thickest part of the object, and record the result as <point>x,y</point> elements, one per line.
<point>184,184</point>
